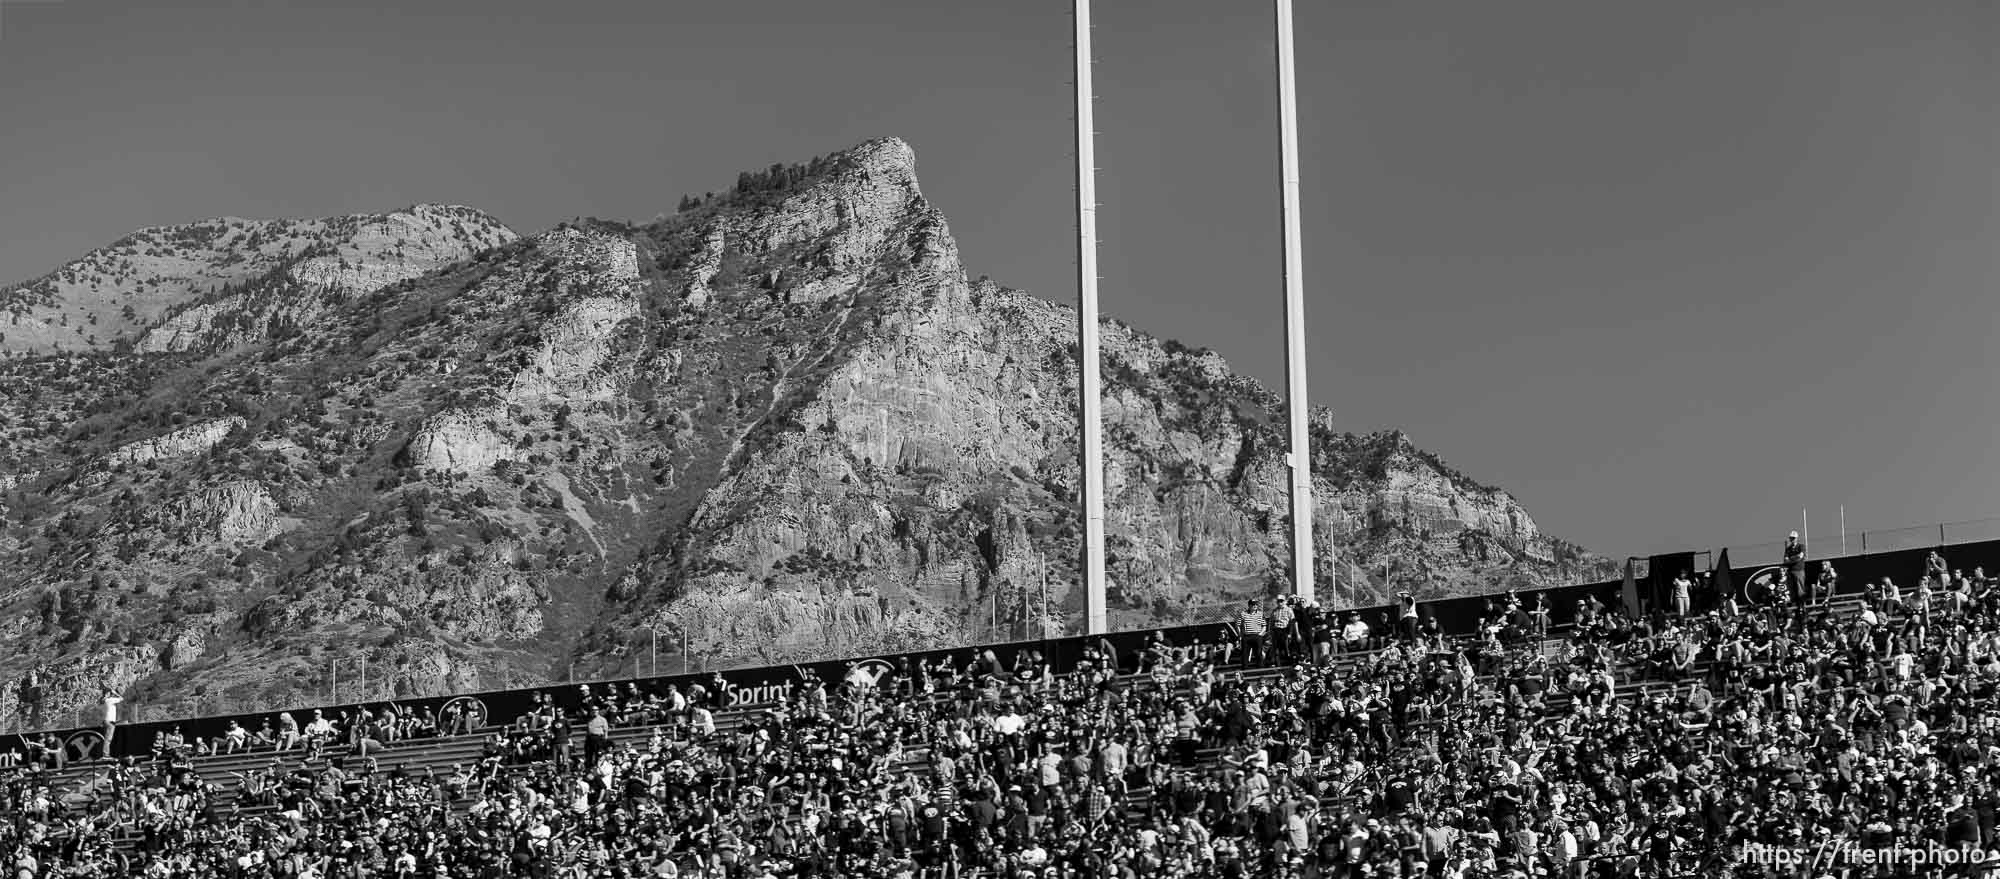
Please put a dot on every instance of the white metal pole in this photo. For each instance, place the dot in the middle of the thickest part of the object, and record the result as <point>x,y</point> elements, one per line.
<point>1086,272</point>
<point>1297,402</point>
<point>1843,529</point>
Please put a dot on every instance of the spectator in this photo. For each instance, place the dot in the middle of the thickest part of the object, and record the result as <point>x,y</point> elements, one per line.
<point>236,738</point>
<point>1795,567</point>
<point>1282,636</point>
<point>1354,634</point>
<point>1406,617</point>
<point>111,700</point>
<point>1250,624</point>
<point>1826,584</point>
<point>321,727</point>
<point>597,734</point>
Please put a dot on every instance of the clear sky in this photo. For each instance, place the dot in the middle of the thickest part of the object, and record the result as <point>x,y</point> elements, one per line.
<point>1669,271</point>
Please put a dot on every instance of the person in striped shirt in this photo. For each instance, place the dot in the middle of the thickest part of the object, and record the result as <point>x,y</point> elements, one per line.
<point>1251,625</point>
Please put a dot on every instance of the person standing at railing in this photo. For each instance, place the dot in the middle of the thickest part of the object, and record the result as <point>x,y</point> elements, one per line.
<point>597,735</point>
<point>1281,633</point>
<point>1795,565</point>
<point>1251,626</point>
<point>1316,631</point>
<point>1406,615</point>
<point>111,700</point>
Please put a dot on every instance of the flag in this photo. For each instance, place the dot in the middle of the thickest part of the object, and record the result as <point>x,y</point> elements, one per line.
<point>1721,578</point>
<point>1631,591</point>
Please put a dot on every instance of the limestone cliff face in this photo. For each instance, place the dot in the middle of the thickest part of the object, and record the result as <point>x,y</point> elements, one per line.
<point>782,424</point>
<point>934,471</point>
<point>597,277</point>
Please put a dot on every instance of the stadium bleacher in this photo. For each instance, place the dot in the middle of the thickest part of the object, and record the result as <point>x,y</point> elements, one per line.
<point>1591,744</point>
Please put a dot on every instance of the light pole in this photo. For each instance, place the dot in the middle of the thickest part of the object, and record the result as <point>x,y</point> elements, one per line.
<point>1086,276</point>
<point>1297,404</point>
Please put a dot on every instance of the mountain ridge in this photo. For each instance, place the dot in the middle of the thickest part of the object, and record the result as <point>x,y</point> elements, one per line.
<point>101,299</point>
<point>781,423</point>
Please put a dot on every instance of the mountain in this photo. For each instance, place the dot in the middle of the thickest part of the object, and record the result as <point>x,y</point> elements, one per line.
<point>779,424</point>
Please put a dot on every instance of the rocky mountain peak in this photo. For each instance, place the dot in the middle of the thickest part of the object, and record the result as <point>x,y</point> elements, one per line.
<point>886,158</point>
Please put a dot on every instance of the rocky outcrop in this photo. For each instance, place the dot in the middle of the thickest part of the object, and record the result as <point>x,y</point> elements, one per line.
<point>458,442</point>
<point>187,329</point>
<point>573,346</point>
<point>578,339</point>
<point>696,291</point>
<point>184,649</point>
<point>186,442</point>
<point>234,512</point>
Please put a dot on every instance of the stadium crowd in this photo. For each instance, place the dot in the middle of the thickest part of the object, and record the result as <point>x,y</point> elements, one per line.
<point>1305,743</point>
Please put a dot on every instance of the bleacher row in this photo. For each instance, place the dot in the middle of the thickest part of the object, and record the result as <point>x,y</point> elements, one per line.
<point>82,785</point>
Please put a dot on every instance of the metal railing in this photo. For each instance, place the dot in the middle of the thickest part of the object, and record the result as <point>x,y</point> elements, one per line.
<point>1833,542</point>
